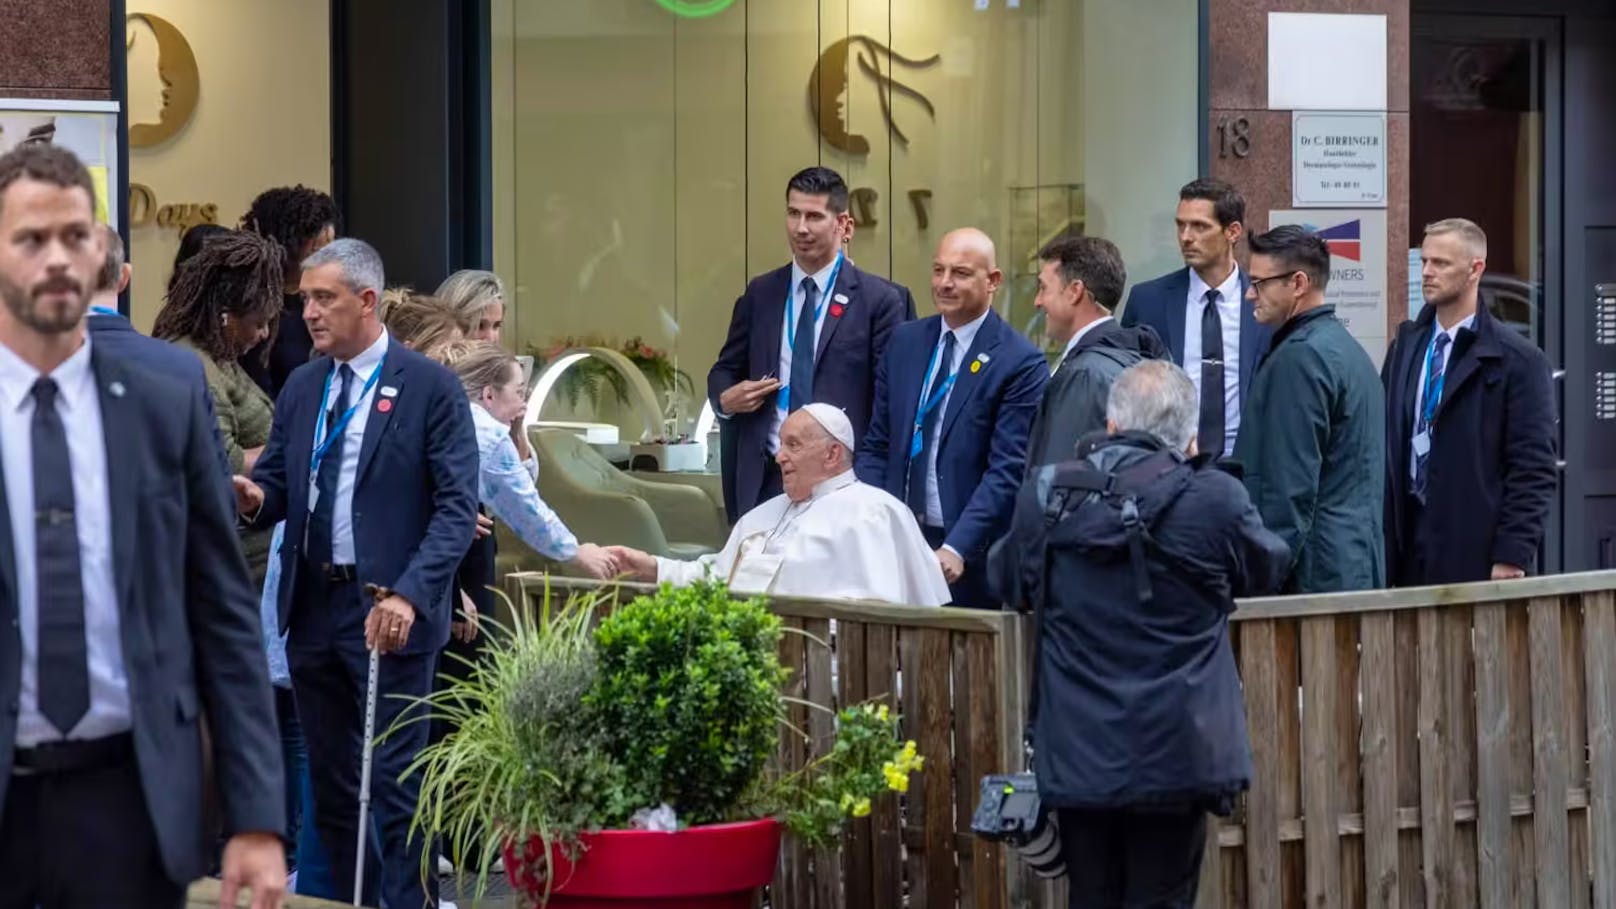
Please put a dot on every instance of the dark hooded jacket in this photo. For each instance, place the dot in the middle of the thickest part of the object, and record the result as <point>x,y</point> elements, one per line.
<point>1073,405</point>
<point>1138,698</point>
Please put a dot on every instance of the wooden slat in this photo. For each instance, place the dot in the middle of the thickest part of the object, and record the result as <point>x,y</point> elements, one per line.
<point>826,885</point>
<point>1599,623</point>
<point>1494,850</point>
<point>1548,754</point>
<point>1410,847</point>
<point>1416,598</point>
<point>1288,676</point>
<point>965,693</point>
<point>1461,699</point>
<point>1436,794</point>
<point>1319,749</point>
<point>988,860</point>
<point>1379,683</point>
<point>1348,779</point>
<point>791,884</point>
<point>936,780</point>
<point>881,681</point>
<point>1258,673</point>
<point>915,831</point>
<point>1209,892</point>
<point>857,845</point>
<point>1575,716</point>
<point>1523,853</point>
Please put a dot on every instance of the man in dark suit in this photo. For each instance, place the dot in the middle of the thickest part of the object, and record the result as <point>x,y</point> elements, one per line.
<point>1201,311</point>
<point>1079,283</point>
<point>111,654</point>
<point>372,462</point>
<point>1470,466</point>
<point>809,331</point>
<point>955,395</point>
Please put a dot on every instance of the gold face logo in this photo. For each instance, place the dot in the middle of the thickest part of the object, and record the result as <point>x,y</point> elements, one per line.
<point>176,67</point>
<point>828,86</point>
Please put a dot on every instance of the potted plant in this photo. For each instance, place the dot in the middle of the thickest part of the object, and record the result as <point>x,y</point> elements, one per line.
<point>627,763</point>
<point>591,381</point>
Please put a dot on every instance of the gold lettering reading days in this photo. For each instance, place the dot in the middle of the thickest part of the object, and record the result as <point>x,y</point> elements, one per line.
<point>181,216</point>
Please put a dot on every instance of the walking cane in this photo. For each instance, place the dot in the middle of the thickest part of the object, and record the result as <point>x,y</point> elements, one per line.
<point>364,774</point>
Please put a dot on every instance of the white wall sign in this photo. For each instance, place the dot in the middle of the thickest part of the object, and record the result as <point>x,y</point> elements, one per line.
<point>1338,159</point>
<point>1357,287</point>
<point>1326,61</point>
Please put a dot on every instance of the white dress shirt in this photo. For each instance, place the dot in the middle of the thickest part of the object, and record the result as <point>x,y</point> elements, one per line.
<point>1229,294</point>
<point>1425,365</point>
<point>79,406</point>
<point>1067,351</point>
<point>353,439</point>
<point>789,332</point>
<point>963,336</point>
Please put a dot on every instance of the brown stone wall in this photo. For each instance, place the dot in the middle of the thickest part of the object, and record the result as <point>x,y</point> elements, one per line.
<point>55,49</point>
<point>1238,42</point>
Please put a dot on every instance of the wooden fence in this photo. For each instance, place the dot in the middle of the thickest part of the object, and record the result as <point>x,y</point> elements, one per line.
<point>1447,746</point>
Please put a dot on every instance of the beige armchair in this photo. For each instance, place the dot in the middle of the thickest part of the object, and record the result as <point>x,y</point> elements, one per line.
<point>604,505</point>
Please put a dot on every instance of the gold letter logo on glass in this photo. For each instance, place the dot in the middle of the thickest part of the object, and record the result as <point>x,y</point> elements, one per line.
<point>176,67</point>
<point>828,88</point>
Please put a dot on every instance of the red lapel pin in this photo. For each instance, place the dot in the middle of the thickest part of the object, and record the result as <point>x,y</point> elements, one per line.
<point>836,311</point>
<point>384,405</point>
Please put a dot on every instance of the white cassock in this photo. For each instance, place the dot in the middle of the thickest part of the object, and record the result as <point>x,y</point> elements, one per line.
<point>848,540</point>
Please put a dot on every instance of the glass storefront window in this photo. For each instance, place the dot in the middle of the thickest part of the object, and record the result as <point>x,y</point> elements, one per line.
<point>641,155</point>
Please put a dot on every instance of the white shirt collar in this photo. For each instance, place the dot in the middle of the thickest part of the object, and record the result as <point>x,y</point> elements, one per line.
<point>1079,336</point>
<point>17,377</point>
<point>369,358</point>
<point>1228,291</point>
<point>820,277</point>
<point>825,487</point>
<point>965,334</point>
<point>1453,333</point>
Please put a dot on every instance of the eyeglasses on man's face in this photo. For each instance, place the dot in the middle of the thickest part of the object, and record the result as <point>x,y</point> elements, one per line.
<point>1257,283</point>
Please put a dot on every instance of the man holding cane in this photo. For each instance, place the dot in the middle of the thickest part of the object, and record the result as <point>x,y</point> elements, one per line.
<point>372,462</point>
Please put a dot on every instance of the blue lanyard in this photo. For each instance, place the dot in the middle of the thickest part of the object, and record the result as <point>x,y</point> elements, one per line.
<point>342,421</point>
<point>104,311</point>
<point>916,441</point>
<point>1433,381</point>
<point>791,296</point>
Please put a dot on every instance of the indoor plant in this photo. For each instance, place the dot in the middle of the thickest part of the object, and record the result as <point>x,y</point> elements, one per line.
<point>567,732</point>
<point>590,380</point>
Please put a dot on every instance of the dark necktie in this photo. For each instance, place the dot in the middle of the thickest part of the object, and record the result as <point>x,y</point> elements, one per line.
<point>62,664</point>
<point>802,348</point>
<point>920,461</point>
<point>1209,439</point>
<point>1434,370</point>
<point>319,550</point>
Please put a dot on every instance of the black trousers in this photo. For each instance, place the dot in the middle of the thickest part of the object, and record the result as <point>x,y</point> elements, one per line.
<point>1133,858</point>
<point>82,840</point>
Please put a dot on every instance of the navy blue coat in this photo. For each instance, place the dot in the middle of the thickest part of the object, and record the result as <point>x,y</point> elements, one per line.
<point>850,342</point>
<point>1491,475</point>
<point>982,443</point>
<point>415,496</point>
<point>1139,703</point>
<point>1160,304</point>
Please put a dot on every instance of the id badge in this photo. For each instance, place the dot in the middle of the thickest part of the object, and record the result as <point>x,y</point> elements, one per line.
<point>1422,444</point>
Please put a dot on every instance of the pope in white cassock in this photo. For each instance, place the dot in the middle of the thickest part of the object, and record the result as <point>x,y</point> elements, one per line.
<point>827,536</point>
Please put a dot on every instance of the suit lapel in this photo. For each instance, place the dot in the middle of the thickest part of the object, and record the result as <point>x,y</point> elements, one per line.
<point>1249,330</point>
<point>985,342</point>
<point>8,558</point>
<point>1463,363</point>
<point>120,422</point>
<point>769,322</point>
<point>382,407</point>
<point>847,284</point>
<point>1179,288</point>
<point>909,384</point>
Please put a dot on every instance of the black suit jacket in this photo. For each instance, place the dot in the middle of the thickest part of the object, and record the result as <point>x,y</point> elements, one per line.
<point>415,495</point>
<point>1491,474</point>
<point>1160,304</point>
<point>850,344</point>
<point>188,617</point>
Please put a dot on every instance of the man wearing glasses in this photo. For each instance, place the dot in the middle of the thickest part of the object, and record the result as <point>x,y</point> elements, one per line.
<point>1313,439</point>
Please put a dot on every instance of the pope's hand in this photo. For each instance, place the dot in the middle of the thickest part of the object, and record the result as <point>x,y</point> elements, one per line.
<point>596,561</point>
<point>387,628</point>
<point>634,563</point>
<point>747,395</point>
<point>249,497</point>
<point>255,862</point>
<point>953,566</point>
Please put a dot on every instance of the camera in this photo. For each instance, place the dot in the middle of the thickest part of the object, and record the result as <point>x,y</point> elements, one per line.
<point>1008,810</point>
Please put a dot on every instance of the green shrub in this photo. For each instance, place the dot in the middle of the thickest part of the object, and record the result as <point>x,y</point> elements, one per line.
<point>687,693</point>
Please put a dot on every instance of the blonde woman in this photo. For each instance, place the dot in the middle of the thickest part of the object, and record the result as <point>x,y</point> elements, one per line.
<point>477,299</point>
<point>493,382</point>
<point>419,322</point>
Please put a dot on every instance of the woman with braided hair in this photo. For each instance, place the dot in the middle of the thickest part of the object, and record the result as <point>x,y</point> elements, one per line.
<point>220,302</point>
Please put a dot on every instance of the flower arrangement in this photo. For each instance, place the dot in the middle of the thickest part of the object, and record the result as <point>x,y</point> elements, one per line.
<point>591,379</point>
<point>671,705</point>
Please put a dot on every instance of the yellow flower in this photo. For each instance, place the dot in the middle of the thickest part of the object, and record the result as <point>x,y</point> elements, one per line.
<point>861,808</point>
<point>882,713</point>
<point>847,801</point>
<point>897,778</point>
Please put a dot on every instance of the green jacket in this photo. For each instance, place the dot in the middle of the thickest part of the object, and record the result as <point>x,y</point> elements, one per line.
<point>1312,444</point>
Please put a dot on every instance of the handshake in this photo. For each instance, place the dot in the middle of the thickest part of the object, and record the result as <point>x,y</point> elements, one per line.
<point>607,562</point>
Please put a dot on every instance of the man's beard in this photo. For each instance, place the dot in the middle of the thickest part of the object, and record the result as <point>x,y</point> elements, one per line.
<point>54,318</point>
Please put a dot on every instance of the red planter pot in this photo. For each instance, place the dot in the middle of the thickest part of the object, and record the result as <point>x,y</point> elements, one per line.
<point>718,866</point>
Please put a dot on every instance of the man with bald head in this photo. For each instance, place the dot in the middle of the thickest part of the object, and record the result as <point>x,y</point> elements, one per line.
<point>955,396</point>
<point>827,535</point>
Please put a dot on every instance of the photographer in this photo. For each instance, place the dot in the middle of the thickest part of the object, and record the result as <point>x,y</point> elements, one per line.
<point>1132,556</point>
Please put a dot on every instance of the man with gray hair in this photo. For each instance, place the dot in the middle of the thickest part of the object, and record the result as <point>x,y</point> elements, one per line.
<point>374,533</point>
<point>1132,556</point>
